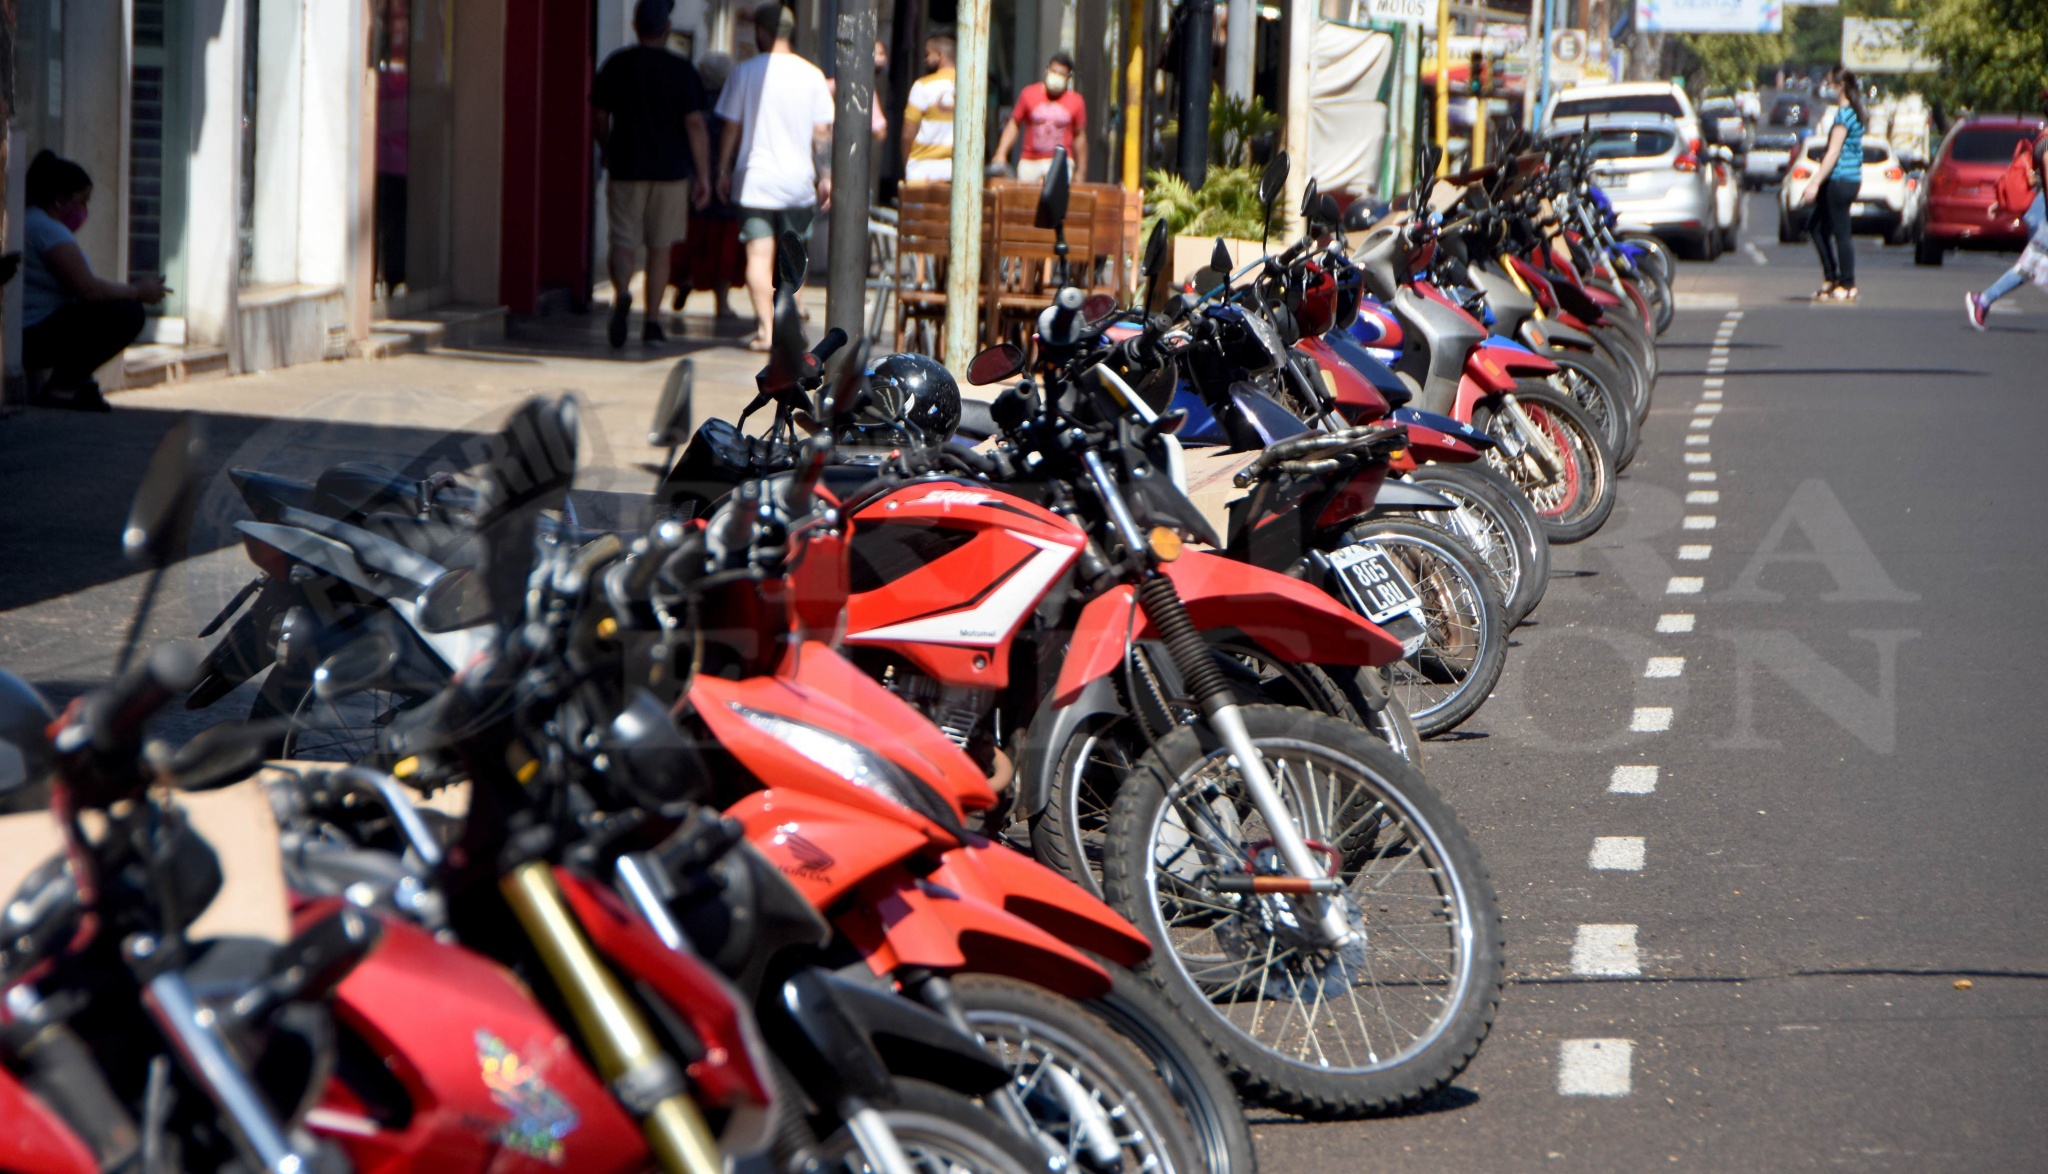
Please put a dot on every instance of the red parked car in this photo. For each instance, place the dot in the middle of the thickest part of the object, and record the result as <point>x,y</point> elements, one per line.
<point>1957,210</point>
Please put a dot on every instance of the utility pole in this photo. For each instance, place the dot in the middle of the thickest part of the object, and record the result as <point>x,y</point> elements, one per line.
<point>1197,49</point>
<point>1134,95</point>
<point>1240,41</point>
<point>970,132</point>
<point>852,150</point>
<point>1443,86</point>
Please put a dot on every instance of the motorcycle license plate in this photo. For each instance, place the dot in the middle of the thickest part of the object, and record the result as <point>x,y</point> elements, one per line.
<point>1376,586</point>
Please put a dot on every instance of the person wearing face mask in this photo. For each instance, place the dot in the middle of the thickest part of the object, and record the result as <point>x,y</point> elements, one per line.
<point>1832,191</point>
<point>72,320</point>
<point>928,116</point>
<point>1050,114</point>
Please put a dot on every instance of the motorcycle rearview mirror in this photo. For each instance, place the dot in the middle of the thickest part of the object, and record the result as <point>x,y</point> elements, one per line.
<point>787,345</point>
<point>160,516</point>
<point>1097,307</point>
<point>995,364</point>
<point>1273,178</point>
<point>364,663</point>
<point>1308,198</point>
<point>671,428</point>
<point>841,391</point>
<point>1220,259</point>
<point>792,261</point>
<point>1326,210</point>
<point>1427,161</point>
<point>223,754</point>
<point>457,600</point>
<point>1052,194</point>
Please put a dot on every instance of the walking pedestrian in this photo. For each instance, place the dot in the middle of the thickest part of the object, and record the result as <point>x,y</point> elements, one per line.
<point>1050,115</point>
<point>650,128</point>
<point>928,116</point>
<point>72,320</point>
<point>714,261</point>
<point>774,158</point>
<point>2033,254</point>
<point>1832,191</point>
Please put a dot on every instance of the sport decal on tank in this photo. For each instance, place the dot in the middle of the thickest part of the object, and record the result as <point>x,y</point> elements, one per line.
<point>541,1117</point>
<point>996,613</point>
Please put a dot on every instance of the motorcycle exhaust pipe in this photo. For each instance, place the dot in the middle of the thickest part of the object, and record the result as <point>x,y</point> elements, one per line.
<point>629,1057</point>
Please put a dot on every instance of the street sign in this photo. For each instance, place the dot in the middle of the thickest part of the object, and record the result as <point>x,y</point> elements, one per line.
<point>1402,11</point>
<point>1710,16</point>
<point>1567,55</point>
<point>1883,46</point>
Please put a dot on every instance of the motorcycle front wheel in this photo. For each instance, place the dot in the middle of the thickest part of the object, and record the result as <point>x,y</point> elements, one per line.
<point>1465,626</point>
<point>1574,502</point>
<point>1094,1100</point>
<point>941,1132</point>
<point>1309,1026</point>
<point>1498,524</point>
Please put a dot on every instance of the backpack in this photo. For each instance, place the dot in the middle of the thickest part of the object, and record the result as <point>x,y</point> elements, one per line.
<point>2015,190</point>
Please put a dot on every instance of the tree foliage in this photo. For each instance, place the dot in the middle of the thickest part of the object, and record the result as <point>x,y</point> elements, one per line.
<point>1994,53</point>
<point>1731,61</point>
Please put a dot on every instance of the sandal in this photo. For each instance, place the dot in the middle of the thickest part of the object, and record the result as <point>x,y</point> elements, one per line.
<point>1844,293</point>
<point>759,345</point>
<point>1826,291</point>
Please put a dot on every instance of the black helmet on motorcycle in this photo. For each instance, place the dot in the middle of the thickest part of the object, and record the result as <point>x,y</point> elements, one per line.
<point>909,399</point>
<point>25,755</point>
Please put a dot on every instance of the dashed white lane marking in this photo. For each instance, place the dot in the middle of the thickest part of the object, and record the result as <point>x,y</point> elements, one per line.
<point>1698,458</point>
<point>1702,478</point>
<point>1617,854</point>
<point>1697,553</point>
<point>1735,314</point>
<point>1717,365</point>
<point>1698,522</point>
<point>1697,438</point>
<point>1633,780</point>
<point>1594,1067</point>
<point>1650,719</point>
<point>1755,254</point>
<point>1685,585</point>
<point>1702,422</point>
<point>1703,497</point>
<point>1712,381</point>
<point>1710,395</point>
<point>1665,666</point>
<point>1707,409</point>
<point>1719,352</point>
<point>1606,951</point>
<point>1673,623</point>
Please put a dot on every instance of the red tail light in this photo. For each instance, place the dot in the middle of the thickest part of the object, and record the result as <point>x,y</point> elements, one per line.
<point>1687,161</point>
<point>1894,173</point>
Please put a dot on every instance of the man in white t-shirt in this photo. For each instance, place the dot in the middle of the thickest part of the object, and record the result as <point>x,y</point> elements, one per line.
<point>773,157</point>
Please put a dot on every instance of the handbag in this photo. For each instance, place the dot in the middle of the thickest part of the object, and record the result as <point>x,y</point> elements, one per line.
<point>2015,190</point>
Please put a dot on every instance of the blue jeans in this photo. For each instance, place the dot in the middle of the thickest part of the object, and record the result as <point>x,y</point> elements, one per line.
<point>2037,229</point>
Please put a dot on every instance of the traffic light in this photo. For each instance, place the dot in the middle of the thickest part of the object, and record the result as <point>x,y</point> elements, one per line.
<point>1475,73</point>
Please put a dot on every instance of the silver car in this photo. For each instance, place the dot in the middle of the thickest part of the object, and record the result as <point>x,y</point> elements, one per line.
<point>1653,178</point>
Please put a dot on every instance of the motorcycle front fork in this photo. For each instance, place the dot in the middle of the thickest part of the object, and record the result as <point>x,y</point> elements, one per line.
<point>1192,657</point>
<point>1537,446</point>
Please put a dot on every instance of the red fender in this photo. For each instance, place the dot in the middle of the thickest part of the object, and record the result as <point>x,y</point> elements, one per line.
<point>1497,367</point>
<point>726,1074</point>
<point>1025,888</point>
<point>1353,393</point>
<point>824,847</point>
<point>1428,444</point>
<point>1286,617</point>
<point>926,923</point>
<point>36,1140</point>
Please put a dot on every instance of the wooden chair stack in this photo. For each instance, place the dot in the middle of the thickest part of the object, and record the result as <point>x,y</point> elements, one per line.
<point>922,242</point>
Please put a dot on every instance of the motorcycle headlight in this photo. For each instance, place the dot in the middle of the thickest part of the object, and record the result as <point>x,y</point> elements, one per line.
<point>856,764</point>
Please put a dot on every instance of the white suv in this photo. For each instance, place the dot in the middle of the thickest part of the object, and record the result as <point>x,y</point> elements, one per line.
<point>1660,98</point>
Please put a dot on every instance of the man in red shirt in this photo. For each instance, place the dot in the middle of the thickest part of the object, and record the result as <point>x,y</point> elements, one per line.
<point>1052,115</point>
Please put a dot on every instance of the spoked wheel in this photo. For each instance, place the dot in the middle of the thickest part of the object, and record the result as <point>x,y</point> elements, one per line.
<point>940,1132</point>
<point>1487,521</point>
<point>1094,1101</point>
<point>1067,836</point>
<point>1309,1025</point>
<point>1464,625</point>
<point>1604,395</point>
<point>344,729</point>
<point>1574,499</point>
<point>1320,690</point>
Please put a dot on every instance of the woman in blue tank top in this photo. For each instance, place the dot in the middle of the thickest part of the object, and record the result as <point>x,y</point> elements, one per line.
<point>1832,191</point>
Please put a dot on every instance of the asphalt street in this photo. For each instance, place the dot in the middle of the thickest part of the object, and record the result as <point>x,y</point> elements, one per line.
<point>1760,789</point>
<point>1789,698</point>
